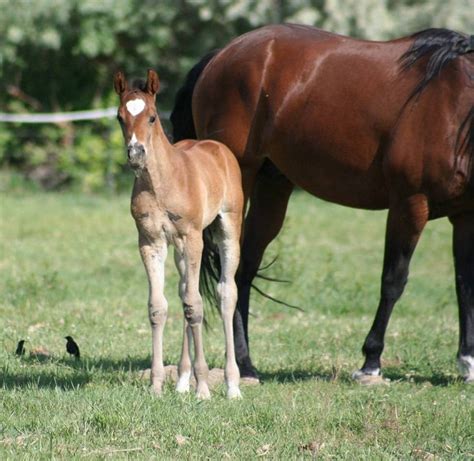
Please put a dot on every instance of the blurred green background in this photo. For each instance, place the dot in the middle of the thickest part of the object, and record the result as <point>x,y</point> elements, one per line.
<point>60,55</point>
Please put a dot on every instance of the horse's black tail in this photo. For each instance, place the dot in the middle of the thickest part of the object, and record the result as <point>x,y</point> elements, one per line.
<point>441,46</point>
<point>182,115</point>
<point>211,269</point>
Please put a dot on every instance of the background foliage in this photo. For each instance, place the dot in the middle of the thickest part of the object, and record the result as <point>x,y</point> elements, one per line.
<point>58,55</point>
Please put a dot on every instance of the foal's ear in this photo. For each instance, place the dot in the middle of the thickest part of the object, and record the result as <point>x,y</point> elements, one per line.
<point>152,82</point>
<point>120,83</point>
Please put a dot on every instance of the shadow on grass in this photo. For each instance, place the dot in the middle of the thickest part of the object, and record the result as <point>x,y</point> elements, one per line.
<point>71,374</point>
<point>343,377</point>
<point>43,379</point>
<point>417,377</point>
<point>68,374</point>
<point>295,375</point>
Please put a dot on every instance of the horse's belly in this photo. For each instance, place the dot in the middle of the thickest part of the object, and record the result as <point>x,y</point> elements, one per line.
<point>334,181</point>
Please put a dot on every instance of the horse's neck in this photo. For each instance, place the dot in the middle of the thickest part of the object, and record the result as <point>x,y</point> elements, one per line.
<point>161,166</point>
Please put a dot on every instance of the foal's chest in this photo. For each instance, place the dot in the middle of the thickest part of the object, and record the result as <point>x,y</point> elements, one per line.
<point>152,221</point>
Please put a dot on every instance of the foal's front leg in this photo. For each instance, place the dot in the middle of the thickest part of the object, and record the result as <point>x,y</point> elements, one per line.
<point>154,256</point>
<point>193,309</point>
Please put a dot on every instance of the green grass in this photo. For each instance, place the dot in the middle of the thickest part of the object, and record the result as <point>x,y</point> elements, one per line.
<point>69,265</point>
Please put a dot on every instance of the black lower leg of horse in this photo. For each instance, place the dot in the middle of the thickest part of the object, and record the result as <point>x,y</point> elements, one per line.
<point>405,223</point>
<point>463,250</point>
<point>264,220</point>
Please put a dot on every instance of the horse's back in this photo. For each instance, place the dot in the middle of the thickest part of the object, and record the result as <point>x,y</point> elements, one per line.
<point>319,86</point>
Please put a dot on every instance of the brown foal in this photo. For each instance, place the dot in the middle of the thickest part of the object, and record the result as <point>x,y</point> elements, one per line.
<point>180,190</point>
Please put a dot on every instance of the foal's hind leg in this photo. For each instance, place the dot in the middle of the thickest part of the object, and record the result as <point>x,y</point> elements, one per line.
<point>229,249</point>
<point>193,309</point>
<point>406,220</point>
<point>184,366</point>
<point>154,256</point>
<point>463,249</point>
<point>264,220</point>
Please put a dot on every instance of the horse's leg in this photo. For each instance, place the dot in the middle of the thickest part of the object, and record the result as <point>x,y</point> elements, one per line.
<point>229,250</point>
<point>154,257</point>
<point>193,309</point>
<point>463,249</point>
<point>406,220</point>
<point>184,367</point>
<point>264,220</point>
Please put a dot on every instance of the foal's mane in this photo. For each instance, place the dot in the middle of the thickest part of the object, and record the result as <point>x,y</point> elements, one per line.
<point>138,84</point>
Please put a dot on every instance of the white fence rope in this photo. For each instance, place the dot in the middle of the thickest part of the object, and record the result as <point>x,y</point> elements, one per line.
<point>60,117</point>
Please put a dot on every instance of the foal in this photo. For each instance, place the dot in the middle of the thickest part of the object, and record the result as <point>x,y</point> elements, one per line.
<point>179,190</point>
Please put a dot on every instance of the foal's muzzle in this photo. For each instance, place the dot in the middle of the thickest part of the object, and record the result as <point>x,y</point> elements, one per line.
<point>136,155</point>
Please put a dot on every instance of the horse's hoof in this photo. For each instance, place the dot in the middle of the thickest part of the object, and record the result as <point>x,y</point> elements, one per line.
<point>466,367</point>
<point>369,379</point>
<point>249,381</point>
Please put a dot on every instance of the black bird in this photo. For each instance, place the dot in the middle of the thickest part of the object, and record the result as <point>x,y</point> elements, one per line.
<point>20,349</point>
<point>72,348</point>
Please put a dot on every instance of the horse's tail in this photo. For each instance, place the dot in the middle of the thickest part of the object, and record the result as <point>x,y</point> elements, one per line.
<point>211,269</point>
<point>440,46</point>
<point>182,115</point>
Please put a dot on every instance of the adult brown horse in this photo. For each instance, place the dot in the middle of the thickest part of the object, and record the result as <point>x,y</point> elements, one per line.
<point>364,124</point>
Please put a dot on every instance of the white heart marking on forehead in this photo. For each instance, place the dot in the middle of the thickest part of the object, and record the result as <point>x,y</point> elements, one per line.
<point>135,106</point>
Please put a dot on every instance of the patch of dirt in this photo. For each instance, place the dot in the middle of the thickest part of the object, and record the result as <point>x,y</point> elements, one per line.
<point>216,377</point>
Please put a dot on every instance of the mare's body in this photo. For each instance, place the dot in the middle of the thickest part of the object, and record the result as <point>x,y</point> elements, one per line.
<point>364,124</point>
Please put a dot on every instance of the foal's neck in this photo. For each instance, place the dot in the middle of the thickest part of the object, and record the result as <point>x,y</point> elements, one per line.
<point>160,165</point>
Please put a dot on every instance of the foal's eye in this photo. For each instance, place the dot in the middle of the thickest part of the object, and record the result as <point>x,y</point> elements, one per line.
<point>119,118</point>
<point>152,119</point>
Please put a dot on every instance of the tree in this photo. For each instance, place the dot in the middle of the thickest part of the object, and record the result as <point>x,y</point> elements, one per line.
<point>61,55</point>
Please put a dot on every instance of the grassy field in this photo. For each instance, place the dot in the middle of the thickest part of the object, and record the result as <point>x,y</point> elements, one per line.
<point>69,265</point>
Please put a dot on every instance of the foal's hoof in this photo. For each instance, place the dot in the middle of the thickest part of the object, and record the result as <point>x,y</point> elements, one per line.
<point>369,379</point>
<point>202,393</point>
<point>156,390</point>
<point>182,386</point>
<point>233,392</point>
